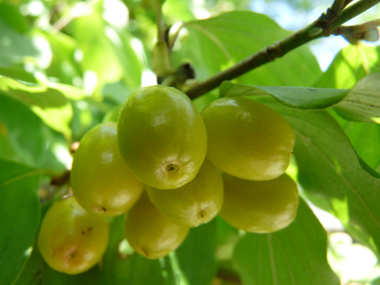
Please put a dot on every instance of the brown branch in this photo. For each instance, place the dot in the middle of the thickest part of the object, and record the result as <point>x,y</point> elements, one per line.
<point>322,27</point>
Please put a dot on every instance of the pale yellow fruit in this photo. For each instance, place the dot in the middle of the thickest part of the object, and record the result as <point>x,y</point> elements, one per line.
<point>247,139</point>
<point>162,137</point>
<point>259,206</point>
<point>72,240</point>
<point>149,232</point>
<point>196,202</point>
<point>101,180</point>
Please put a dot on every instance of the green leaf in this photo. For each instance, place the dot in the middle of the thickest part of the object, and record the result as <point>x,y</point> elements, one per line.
<point>106,51</point>
<point>196,255</point>
<point>331,173</point>
<point>32,142</point>
<point>64,67</point>
<point>349,65</point>
<point>365,137</point>
<point>296,97</point>
<point>363,101</point>
<point>19,215</point>
<point>49,104</point>
<point>17,71</point>
<point>231,37</point>
<point>33,271</point>
<point>295,255</point>
<point>130,59</point>
<point>177,11</point>
<point>10,14</point>
<point>16,47</point>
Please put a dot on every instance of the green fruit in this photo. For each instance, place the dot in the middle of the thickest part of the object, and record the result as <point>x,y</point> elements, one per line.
<point>72,240</point>
<point>100,179</point>
<point>247,139</point>
<point>195,203</point>
<point>259,206</point>
<point>162,137</point>
<point>113,115</point>
<point>149,232</point>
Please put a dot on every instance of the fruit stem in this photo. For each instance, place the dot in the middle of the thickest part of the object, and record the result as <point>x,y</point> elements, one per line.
<point>324,26</point>
<point>159,21</point>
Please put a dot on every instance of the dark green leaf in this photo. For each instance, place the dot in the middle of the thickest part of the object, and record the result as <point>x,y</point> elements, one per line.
<point>363,101</point>
<point>10,14</point>
<point>365,137</point>
<point>295,255</point>
<point>331,174</point>
<point>297,97</point>
<point>196,255</point>
<point>17,71</point>
<point>19,215</point>
<point>217,43</point>
<point>33,270</point>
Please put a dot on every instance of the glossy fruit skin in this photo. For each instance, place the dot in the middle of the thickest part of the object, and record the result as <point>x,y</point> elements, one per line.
<point>149,232</point>
<point>259,206</point>
<point>101,180</point>
<point>247,139</point>
<point>72,240</point>
<point>196,202</point>
<point>162,137</point>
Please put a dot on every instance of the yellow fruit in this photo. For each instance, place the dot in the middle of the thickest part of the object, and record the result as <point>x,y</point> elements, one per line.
<point>149,232</point>
<point>259,206</point>
<point>72,240</point>
<point>162,137</point>
<point>195,203</point>
<point>247,139</point>
<point>101,180</point>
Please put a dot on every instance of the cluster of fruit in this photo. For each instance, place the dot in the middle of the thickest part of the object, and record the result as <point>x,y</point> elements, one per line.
<point>172,169</point>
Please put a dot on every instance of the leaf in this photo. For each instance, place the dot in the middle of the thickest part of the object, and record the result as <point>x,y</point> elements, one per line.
<point>106,51</point>
<point>19,215</point>
<point>48,103</point>
<point>196,256</point>
<point>64,66</point>
<point>295,255</point>
<point>177,11</point>
<point>363,101</point>
<point>15,46</point>
<point>17,71</point>
<point>296,97</point>
<point>331,173</point>
<point>10,14</point>
<point>349,65</point>
<point>32,142</point>
<point>230,37</point>
<point>365,137</point>
<point>98,53</point>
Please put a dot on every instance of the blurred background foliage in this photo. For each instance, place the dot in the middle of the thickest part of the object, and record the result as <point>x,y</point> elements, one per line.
<point>68,65</point>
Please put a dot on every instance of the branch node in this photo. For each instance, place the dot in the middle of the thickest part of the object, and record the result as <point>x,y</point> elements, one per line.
<point>314,32</point>
<point>274,51</point>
